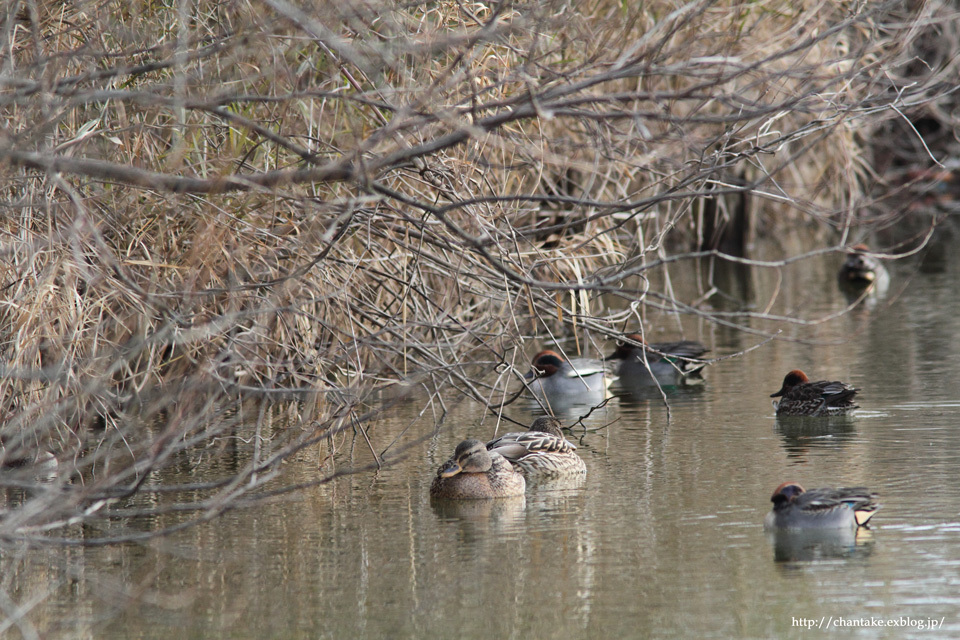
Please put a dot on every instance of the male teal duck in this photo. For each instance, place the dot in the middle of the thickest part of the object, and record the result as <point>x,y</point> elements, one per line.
<point>474,473</point>
<point>800,397</point>
<point>540,452</point>
<point>860,269</point>
<point>844,508</point>
<point>560,384</point>
<point>671,363</point>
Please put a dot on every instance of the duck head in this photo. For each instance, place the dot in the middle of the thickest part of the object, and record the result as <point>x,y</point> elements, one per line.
<point>793,379</point>
<point>547,424</point>
<point>545,364</point>
<point>626,350</point>
<point>471,456</point>
<point>858,267</point>
<point>785,494</point>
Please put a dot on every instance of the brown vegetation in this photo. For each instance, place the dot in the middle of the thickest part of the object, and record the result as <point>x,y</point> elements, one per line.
<point>336,198</point>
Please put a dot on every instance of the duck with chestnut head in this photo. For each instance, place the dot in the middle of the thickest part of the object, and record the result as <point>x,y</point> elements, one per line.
<point>862,275</point>
<point>801,397</point>
<point>558,383</point>
<point>665,363</point>
<point>860,268</point>
<point>843,508</point>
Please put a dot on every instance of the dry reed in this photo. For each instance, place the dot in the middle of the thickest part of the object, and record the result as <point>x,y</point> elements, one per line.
<point>247,200</point>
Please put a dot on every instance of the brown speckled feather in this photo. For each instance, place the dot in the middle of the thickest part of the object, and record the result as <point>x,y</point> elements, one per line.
<point>539,452</point>
<point>474,473</point>
<point>800,397</point>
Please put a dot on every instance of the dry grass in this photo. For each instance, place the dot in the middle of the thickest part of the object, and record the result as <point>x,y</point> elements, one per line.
<point>257,197</point>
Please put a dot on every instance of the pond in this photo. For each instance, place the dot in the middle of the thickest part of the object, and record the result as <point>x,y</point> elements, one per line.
<point>662,539</point>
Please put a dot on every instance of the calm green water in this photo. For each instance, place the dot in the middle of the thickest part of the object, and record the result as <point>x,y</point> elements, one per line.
<point>663,539</point>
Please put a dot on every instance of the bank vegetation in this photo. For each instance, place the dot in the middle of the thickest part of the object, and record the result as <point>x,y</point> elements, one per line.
<point>243,228</point>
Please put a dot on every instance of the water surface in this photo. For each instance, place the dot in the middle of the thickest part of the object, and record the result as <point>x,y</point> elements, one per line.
<point>662,539</point>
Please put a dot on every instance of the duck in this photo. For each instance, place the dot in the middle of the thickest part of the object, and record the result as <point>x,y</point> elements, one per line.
<point>800,397</point>
<point>558,383</point>
<point>670,363</point>
<point>860,269</point>
<point>843,508</point>
<point>41,464</point>
<point>541,452</point>
<point>473,473</point>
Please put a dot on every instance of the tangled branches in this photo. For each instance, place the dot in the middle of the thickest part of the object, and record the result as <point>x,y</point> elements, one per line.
<point>250,201</point>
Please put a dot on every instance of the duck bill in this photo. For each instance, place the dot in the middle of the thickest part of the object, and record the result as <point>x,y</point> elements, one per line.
<point>450,469</point>
<point>777,394</point>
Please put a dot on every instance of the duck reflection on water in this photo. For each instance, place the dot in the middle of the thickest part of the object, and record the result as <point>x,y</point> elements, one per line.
<point>811,545</point>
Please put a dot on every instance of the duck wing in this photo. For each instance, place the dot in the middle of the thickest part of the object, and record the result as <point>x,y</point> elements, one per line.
<point>683,348</point>
<point>860,499</point>
<point>514,446</point>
